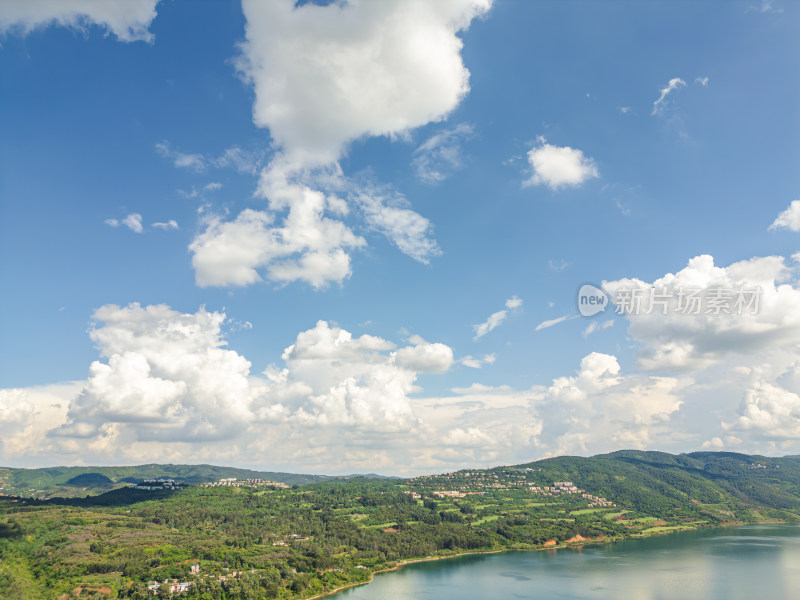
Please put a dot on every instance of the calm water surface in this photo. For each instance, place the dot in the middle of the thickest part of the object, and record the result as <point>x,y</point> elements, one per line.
<point>753,563</point>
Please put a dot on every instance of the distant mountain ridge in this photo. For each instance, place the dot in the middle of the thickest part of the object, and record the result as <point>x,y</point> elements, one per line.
<point>644,477</point>
<point>79,481</point>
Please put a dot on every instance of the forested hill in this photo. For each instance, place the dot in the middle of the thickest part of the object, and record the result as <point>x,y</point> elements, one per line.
<point>656,482</point>
<point>81,481</point>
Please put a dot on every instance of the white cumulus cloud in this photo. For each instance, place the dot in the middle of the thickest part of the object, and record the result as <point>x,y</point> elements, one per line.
<point>133,222</point>
<point>746,306</point>
<point>323,77</point>
<point>306,246</point>
<point>165,378</point>
<point>557,166</point>
<point>769,412</point>
<point>167,375</point>
<point>326,75</point>
<point>361,382</point>
<point>600,410</point>
<point>425,357</point>
<point>789,218</point>
<point>26,415</point>
<point>128,20</point>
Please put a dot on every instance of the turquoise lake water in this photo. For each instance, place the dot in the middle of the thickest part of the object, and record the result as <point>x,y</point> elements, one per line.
<point>754,563</point>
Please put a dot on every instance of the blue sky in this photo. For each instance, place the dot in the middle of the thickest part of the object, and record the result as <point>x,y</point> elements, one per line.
<point>350,237</point>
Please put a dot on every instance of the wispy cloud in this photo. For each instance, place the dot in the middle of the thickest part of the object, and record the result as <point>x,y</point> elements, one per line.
<point>660,104</point>
<point>133,222</point>
<point>477,363</point>
<point>765,7</point>
<point>553,322</point>
<point>497,318</point>
<point>558,265</point>
<point>171,224</point>
<point>195,192</point>
<point>181,160</point>
<point>597,326</point>
<point>440,155</point>
<point>244,161</point>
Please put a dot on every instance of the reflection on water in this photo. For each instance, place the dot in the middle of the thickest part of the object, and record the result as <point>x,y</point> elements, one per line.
<point>746,562</point>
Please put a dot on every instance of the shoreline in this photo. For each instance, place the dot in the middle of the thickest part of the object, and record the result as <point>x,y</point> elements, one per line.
<point>562,545</point>
<point>402,563</point>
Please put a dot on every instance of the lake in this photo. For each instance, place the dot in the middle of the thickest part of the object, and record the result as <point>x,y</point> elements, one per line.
<point>754,562</point>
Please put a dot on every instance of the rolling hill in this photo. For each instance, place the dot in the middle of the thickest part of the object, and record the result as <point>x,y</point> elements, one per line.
<point>69,482</point>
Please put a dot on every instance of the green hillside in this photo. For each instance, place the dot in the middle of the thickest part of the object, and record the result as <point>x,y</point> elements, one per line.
<point>256,542</point>
<point>661,484</point>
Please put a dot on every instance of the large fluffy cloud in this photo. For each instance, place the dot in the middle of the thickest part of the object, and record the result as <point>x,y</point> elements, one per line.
<point>166,379</point>
<point>26,415</point>
<point>311,242</point>
<point>736,330</point>
<point>769,412</point>
<point>324,76</point>
<point>16,414</point>
<point>166,388</point>
<point>333,378</point>
<point>167,373</point>
<point>599,410</point>
<point>306,246</point>
<point>128,20</point>
<point>702,313</point>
